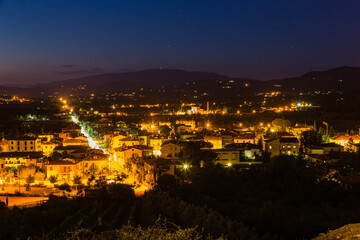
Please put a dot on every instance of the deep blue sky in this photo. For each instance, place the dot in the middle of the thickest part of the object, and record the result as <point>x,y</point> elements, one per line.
<point>50,40</point>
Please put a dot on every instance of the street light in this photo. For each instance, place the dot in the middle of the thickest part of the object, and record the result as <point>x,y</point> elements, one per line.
<point>229,164</point>
<point>185,166</point>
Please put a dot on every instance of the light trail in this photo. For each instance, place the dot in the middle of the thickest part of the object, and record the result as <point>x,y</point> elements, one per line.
<point>92,143</point>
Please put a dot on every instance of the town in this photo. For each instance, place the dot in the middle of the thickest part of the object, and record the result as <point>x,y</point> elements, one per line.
<point>185,120</point>
<point>94,148</point>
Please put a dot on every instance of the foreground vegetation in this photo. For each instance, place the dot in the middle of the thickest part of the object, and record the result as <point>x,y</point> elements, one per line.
<point>286,200</point>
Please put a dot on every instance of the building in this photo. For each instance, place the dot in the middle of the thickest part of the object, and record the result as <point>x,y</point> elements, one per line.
<point>248,150</point>
<point>298,129</point>
<point>323,158</point>
<point>345,139</point>
<point>215,141</point>
<point>46,137</point>
<point>282,145</point>
<point>246,138</point>
<point>226,156</point>
<point>163,123</point>
<point>123,154</point>
<point>156,167</point>
<point>98,161</point>
<point>156,143</point>
<point>15,159</point>
<point>128,141</point>
<point>24,144</point>
<point>75,142</point>
<point>48,148</point>
<point>355,147</point>
<point>190,123</point>
<point>64,169</point>
<point>115,141</point>
<point>72,151</point>
<point>170,150</point>
<point>325,148</point>
<point>184,128</point>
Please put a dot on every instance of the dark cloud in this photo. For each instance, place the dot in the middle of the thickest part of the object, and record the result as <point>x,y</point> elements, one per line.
<point>68,66</point>
<point>93,70</point>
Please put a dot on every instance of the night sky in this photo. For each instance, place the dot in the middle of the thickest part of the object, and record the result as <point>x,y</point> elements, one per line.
<point>43,41</point>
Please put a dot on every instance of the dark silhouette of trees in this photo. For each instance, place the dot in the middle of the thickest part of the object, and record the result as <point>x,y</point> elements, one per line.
<point>309,138</point>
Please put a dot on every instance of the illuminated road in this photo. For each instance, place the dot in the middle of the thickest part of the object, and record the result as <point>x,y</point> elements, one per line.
<point>92,143</point>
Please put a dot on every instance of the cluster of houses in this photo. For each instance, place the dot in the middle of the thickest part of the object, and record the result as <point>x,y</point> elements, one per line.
<point>68,153</point>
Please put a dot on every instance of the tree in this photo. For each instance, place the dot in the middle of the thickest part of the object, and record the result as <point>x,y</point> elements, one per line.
<point>331,131</point>
<point>165,130</point>
<point>65,188</point>
<point>308,138</point>
<point>101,182</point>
<point>93,169</point>
<point>281,124</point>
<point>260,143</point>
<point>167,183</point>
<point>53,179</point>
<point>140,167</point>
<point>91,179</point>
<point>30,179</point>
<point>77,180</point>
<point>39,176</point>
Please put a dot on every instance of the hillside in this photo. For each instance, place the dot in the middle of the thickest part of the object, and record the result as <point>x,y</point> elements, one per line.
<point>180,83</point>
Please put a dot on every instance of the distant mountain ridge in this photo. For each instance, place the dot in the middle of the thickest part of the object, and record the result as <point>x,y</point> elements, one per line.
<point>340,79</point>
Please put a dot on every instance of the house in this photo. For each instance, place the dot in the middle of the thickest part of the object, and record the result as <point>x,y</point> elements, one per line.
<point>282,145</point>
<point>190,123</point>
<point>323,158</point>
<point>75,142</point>
<point>226,156</point>
<point>64,169</point>
<point>355,147</point>
<point>128,141</point>
<point>215,141</point>
<point>48,148</point>
<point>248,150</point>
<point>72,151</point>
<point>298,129</point>
<point>99,161</point>
<point>246,138</point>
<point>121,124</point>
<point>122,154</point>
<point>46,137</point>
<point>156,167</point>
<point>325,148</point>
<point>156,143</point>
<point>227,139</point>
<point>24,144</point>
<point>115,141</point>
<point>345,139</point>
<point>181,128</point>
<point>170,150</point>
<point>15,159</point>
<point>163,123</point>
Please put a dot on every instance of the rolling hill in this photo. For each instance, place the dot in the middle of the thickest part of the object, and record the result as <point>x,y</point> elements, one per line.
<point>344,79</point>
